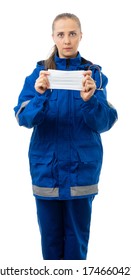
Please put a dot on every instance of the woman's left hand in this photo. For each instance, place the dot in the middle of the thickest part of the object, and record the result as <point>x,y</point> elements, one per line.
<point>89,86</point>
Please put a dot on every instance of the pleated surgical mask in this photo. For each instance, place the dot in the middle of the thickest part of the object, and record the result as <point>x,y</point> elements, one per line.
<point>71,80</point>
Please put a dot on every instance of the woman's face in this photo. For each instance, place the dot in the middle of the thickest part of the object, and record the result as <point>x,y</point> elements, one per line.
<point>67,36</point>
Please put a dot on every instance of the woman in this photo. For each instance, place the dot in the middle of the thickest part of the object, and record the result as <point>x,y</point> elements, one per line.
<point>65,152</point>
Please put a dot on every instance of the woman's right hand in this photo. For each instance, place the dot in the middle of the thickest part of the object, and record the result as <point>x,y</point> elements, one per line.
<point>42,82</point>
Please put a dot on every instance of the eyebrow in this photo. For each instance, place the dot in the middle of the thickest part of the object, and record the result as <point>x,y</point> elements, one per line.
<point>68,32</point>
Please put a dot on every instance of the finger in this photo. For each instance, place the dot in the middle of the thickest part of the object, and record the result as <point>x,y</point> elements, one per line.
<point>90,83</point>
<point>89,86</point>
<point>45,81</point>
<point>87,79</point>
<point>87,73</point>
<point>91,92</point>
<point>40,86</point>
<point>44,73</point>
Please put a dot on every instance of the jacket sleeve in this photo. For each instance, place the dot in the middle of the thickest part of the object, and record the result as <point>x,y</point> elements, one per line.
<point>98,113</point>
<point>32,106</point>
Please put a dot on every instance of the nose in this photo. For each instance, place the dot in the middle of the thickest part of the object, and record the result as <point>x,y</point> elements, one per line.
<point>67,39</point>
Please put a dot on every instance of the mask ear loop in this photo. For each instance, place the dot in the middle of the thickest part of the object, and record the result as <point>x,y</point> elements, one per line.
<point>100,75</point>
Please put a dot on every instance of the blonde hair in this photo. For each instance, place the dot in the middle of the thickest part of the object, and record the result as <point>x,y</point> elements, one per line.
<point>49,62</point>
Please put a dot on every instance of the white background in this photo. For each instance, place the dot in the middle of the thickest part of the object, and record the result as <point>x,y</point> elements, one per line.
<point>25,38</point>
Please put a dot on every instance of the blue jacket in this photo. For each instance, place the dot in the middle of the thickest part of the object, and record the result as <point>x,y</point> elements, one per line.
<point>65,152</point>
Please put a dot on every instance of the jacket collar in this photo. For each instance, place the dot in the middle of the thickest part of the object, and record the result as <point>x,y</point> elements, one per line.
<point>64,63</point>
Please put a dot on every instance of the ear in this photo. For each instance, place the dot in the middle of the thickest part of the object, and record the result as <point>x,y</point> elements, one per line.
<point>53,37</point>
<point>81,36</point>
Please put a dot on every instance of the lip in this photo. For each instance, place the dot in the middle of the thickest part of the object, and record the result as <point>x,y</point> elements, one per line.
<point>67,49</point>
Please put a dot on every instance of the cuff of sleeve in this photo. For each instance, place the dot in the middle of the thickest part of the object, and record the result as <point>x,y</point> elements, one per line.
<point>90,103</point>
<point>41,98</point>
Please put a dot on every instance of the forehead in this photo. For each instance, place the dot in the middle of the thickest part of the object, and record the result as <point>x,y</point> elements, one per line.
<point>65,25</point>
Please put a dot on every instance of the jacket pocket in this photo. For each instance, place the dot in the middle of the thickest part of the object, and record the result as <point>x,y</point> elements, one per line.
<point>53,103</point>
<point>54,95</point>
<point>41,170</point>
<point>89,167</point>
<point>90,153</point>
<point>76,94</point>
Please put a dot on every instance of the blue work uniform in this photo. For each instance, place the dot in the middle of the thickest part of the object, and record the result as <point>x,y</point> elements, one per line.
<point>65,152</point>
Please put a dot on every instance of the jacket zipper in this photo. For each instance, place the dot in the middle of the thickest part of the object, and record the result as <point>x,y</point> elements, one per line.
<point>67,63</point>
<point>69,131</point>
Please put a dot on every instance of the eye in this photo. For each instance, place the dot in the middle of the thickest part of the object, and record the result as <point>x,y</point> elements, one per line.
<point>60,35</point>
<point>73,34</point>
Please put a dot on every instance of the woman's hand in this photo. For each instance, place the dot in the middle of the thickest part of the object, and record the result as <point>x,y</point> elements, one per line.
<point>42,83</point>
<point>89,86</point>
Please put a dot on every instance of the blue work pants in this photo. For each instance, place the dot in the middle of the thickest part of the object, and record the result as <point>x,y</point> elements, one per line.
<point>64,228</point>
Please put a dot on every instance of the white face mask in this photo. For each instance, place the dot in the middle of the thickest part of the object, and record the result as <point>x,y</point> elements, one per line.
<point>71,80</point>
